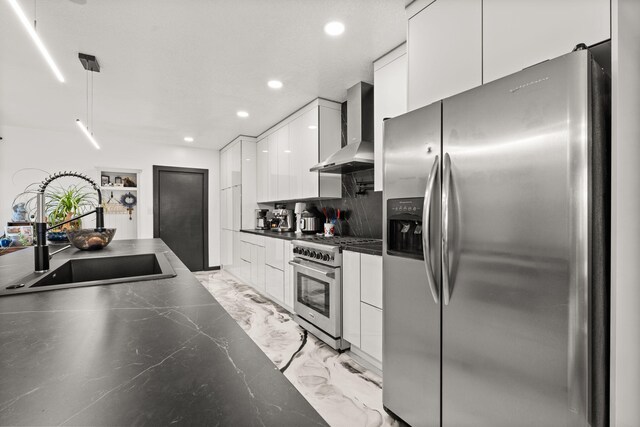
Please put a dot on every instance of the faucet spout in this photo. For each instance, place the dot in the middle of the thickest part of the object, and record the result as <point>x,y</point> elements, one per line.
<point>41,249</point>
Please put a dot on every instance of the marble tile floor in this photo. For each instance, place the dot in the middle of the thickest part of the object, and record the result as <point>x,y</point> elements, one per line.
<point>343,392</point>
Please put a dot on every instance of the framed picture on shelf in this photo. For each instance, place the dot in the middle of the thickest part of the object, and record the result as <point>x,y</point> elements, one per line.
<point>105,180</point>
<point>118,180</point>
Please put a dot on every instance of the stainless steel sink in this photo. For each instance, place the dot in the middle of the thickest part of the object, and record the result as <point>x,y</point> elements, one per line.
<point>79,272</point>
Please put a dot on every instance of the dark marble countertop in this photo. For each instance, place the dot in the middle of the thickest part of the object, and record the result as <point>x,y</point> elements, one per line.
<point>367,248</point>
<point>154,352</point>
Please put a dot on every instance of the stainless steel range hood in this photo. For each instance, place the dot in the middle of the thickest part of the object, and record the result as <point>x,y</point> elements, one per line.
<point>357,155</point>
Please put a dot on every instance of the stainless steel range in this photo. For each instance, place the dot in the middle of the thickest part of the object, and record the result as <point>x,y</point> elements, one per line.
<point>317,268</point>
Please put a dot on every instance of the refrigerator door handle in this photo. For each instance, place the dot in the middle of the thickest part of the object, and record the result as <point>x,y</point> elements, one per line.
<point>446,195</point>
<point>426,234</point>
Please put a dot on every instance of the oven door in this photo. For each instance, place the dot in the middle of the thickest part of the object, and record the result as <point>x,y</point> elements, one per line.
<point>317,295</point>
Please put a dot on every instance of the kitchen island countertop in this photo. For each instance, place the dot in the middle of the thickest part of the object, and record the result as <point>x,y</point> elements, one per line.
<point>154,352</point>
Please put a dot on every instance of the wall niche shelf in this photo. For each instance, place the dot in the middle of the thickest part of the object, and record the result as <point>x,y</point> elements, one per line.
<point>116,215</point>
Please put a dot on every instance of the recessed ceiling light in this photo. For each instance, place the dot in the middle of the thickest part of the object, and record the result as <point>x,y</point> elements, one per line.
<point>242,114</point>
<point>188,139</point>
<point>265,151</point>
<point>287,151</point>
<point>334,28</point>
<point>312,127</point>
<point>274,84</point>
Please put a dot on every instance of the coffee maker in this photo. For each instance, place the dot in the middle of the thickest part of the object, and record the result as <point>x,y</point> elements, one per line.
<point>261,219</point>
<point>284,218</point>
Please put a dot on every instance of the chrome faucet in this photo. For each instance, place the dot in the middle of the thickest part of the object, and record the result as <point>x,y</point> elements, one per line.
<point>41,249</point>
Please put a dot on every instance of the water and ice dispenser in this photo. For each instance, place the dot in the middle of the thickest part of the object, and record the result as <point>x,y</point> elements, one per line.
<point>404,227</point>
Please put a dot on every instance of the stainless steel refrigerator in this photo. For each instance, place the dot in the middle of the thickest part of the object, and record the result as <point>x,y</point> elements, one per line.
<point>496,253</point>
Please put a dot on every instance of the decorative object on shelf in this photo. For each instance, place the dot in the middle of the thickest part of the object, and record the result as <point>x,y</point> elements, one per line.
<point>20,213</point>
<point>128,182</point>
<point>105,180</point>
<point>113,206</point>
<point>129,201</point>
<point>118,181</point>
<point>5,242</point>
<point>20,235</point>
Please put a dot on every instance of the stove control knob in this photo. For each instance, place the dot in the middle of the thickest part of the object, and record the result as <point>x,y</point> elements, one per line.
<point>306,252</point>
<point>326,257</point>
<point>319,255</point>
<point>296,250</point>
<point>312,254</point>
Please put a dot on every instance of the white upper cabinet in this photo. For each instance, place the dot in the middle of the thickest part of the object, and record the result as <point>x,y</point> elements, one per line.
<point>284,167</point>
<point>235,162</point>
<point>287,151</point>
<point>389,98</point>
<point>518,34</point>
<point>445,50</point>
<point>272,167</point>
<point>249,205</point>
<point>262,170</point>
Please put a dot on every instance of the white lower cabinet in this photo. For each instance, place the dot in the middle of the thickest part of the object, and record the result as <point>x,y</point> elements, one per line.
<point>351,297</point>
<point>371,330</point>
<point>289,281</point>
<point>362,302</point>
<point>263,263</point>
<point>274,283</point>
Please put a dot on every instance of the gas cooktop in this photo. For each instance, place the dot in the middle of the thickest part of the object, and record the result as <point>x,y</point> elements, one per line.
<point>340,241</point>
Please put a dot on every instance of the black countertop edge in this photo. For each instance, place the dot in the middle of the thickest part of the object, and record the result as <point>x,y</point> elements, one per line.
<point>154,352</point>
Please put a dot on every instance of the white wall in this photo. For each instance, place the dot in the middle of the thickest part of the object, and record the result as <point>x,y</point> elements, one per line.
<point>625,244</point>
<point>55,151</point>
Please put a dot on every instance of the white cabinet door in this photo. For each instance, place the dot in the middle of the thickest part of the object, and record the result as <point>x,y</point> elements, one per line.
<point>229,202</point>
<point>275,253</point>
<point>260,269</point>
<point>371,280</point>
<point>307,146</point>
<point>249,160</point>
<point>274,283</point>
<point>351,297</point>
<point>262,171</point>
<point>288,275</point>
<point>389,99</point>
<point>226,249</point>
<point>235,160</point>
<point>296,133</point>
<point>445,50</point>
<point>223,209</point>
<point>272,144</point>
<point>236,200</point>
<point>223,169</point>
<point>518,34</point>
<point>284,172</point>
<point>254,265</point>
<point>245,251</point>
<point>371,340</point>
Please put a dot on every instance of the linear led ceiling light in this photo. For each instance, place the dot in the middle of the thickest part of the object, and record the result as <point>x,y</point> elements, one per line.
<point>86,133</point>
<point>36,39</point>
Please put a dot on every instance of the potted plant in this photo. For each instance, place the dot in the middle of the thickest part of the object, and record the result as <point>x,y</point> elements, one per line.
<point>64,203</point>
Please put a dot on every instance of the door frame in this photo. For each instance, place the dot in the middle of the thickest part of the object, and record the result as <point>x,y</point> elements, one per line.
<point>156,208</point>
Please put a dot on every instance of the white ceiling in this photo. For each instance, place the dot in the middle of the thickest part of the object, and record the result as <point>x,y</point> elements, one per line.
<point>172,68</point>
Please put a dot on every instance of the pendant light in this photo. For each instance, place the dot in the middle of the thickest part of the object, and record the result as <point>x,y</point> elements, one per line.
<point>31,30</point>
<point>90,64</point>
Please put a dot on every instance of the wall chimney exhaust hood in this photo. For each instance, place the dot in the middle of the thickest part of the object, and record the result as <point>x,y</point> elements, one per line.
<point>357,155</point>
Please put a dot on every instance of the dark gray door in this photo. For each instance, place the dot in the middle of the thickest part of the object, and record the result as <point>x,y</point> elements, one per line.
<point>515,258</point>
<point>180,213</point>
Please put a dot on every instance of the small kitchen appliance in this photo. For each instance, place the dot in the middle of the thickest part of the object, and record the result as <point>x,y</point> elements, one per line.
<point>261,219</point>
<point>298,210</point>
<point>284,218</point>
<point>309,223</point>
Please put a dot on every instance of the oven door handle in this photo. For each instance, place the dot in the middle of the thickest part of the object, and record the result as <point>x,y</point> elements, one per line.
<point>330,275</point>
